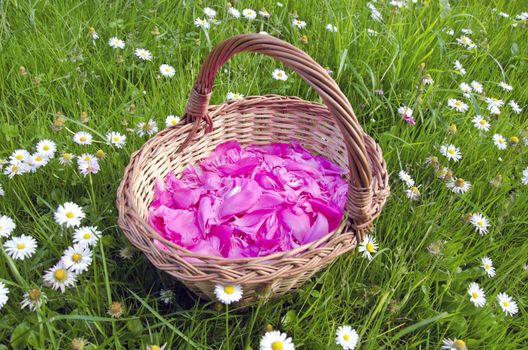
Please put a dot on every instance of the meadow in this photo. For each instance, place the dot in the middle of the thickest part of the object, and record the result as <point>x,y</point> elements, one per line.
<point>440,85</point>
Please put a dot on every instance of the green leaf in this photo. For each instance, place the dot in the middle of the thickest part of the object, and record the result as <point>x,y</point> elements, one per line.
<point>420,324</point>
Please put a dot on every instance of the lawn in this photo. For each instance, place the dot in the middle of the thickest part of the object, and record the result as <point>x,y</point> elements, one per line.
<point>418,74</point>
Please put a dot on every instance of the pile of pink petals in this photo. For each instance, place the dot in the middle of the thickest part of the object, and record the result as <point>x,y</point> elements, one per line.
<point>249,202</point>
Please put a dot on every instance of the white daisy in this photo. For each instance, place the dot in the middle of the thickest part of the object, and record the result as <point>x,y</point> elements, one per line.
<point>405,111</point>
<point>19,155</point>
<point>508,305</point>
<point>466,31</point>
<point>36,161</point>
<point>525,176</point>
<point>46,148</point>
<point>515,107</point>
<point>347,337</point>
<point>3,294</point>
<point>21,247</point>
<point>171,120</point>
<point>298,23</point>
<point>494,102</point>
<point>500,141</point>
<point>368,247</point>
<point>480,222</point>
<point>371,32</point>
<point>504,14</point>
<point>167,296</point>
<point>505,86</point>
<point>77,258</point>
<point>93,33</point>
<point>16,168</point>
<point>166,70</point>
<point>459,68</point>
<point>234,96</point>
<point>413,193</point>
<point>82,138</point>
<point>86,235</point>
<point>233,12</point>
<point>147,128</point>
<point>279,74</point>
<point>477,87</point>
<point>202,23</point>
<point>477,295</point>
<point>88,167</point>
<point>487,264</point>
<point>228,293</point>
<point>331,28</point>
<point>7,225</point>
<point>116,139</point>
<point>249,14</point>
<point>143,54</point>
<point>276,340</point>
<point>466,42</point>
<point>86,157</point>
<point>209,12</point>
<point>116,43</point>
<point>458,185</point>
<point>427,79</point>
<point>374,13</point>
<point>33,299</point>
<point>453,344</point>
<point>480,123</point>
<point>66,158</point>
<point>59,277</point>
<point>405,177</point>
<point>264,13</point>
<point>69,214</point>
<point>451,152</point>
<point>465,87</point>
<point>494,110</point>
<point>457,105</point>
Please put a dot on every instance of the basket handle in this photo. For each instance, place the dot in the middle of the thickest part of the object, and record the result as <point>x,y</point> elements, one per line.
<point>360,191</point>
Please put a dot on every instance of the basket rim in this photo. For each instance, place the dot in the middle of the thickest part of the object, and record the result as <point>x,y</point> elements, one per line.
<point>214,111</point>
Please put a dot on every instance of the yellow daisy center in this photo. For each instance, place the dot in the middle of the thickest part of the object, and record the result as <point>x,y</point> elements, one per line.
<point>415,190</point>
<point>346,337</point>
<point>487,267</point>
<point>86,158</point>
<point>66,156</point>
<point>60,275</point>
<point>70,215</point>
<point>34,294</point>
<point>46,147</point>
<point>38,158</point>
<point>116,138</point>
<point>451,151</point>
<point>460,182</point>
<point>82,139</point>
<point>474,295</point>
<point>174,122</point>
<point>229,289</point>
<point>277,345</point>
<point>155,347</point>
<point>482,122</point>
<point>87,235</point>
<point>370,247</point>
<point>458,103</point>
<point>76,257</point>
<point>14,167</point>
<point>505,303</point>
<point>459,344</point>
<point>19,157</point>
<point>480,223</point>
<point>21,246</point>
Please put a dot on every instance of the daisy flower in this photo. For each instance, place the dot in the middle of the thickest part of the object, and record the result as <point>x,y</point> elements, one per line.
<point>524,177</point>
<point>264,13</point>
<point>374,13</point>
<point>406,114</point>
<point>3,294</point>
<point>276,340</point>
<point>480,222</point>
<point>7,225</point>
<point>59,277</point>
<point>116,43</point>
<point>202,23</point>
<point>451,152</point>
<point>457,105</point>
<point>279,74</point>
<point>487,264</point>
<point>21,247</point>
<point>36,161</point>
<point>508,305</point>
<point>234,96</point>
<point>458,185</point>
<point>427,79</point>
<point>465,88</point>
<point>368,247</point>
<point>116,309</point>
<point>505,86</point>
<point>346,337</point>
<point>413,193</point>
<point>156,347</point>
<point>453,344</point>
<point>66,158</point>
<point>331,28</point>
<point>171,120</point>
<point>459,68</point>
<point>480,123</point>
<point>477,87</point>
<point>88,167</point>
<point>19,155</point>
<point>116,139</point>
<point>249,14</point>
<point>228,293</point>
<point>166,70</point>
<point>298,23</point>
<point>143,54</point>
<point>86,235</point>
<point>82,138</point>
<point>477,295</point>
<point>494,102</point>
<point>209,12</point>
<point>500,141</point>
<point>77,258</point>
<point>233,12</point>
<point>46,148</point>
<point>149,128</point>
<point>127,252</point>
<point>515,107</point>
<point>16,168</point>
<point>405,177</point>
<point>33,299</point>
<point>93,33</point>
<point>69,214</point>
<point>466,31</point>
<point>466,42</point>
<point>167,296</point>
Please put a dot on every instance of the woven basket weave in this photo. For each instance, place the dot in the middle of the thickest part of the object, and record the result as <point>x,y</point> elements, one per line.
<point>331,130</point>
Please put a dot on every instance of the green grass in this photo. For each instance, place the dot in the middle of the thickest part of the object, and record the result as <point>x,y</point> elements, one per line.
<point>406,298</point>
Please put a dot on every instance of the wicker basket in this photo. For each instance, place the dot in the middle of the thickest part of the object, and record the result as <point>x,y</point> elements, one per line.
<point>330,129</point>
